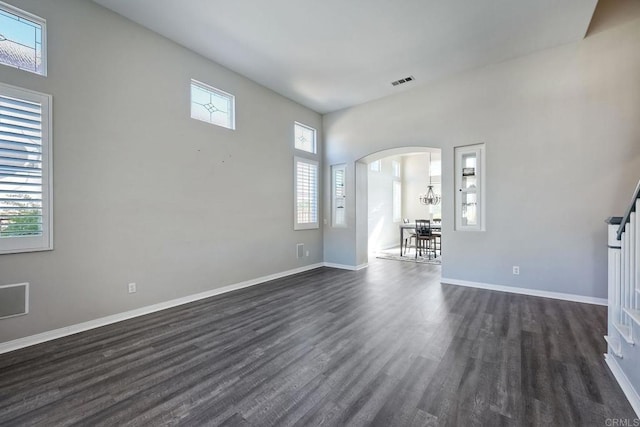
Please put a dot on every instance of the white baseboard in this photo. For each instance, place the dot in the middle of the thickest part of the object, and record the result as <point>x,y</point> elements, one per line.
<point>96,323</point>
<point>525,291</point>
<point>346,267</point>
<point>626,386</point>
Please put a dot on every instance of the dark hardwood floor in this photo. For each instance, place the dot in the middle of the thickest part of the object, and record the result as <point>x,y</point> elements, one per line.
<point>388,345</point>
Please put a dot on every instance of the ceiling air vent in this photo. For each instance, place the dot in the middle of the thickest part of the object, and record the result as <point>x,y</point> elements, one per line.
<point>402,81</point>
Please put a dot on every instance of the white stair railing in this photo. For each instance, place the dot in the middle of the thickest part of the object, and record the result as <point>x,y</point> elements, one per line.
<point>624,274</point>
<point>623,356</point>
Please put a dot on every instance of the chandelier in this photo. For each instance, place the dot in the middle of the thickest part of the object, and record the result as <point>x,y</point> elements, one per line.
<point>430,197</point>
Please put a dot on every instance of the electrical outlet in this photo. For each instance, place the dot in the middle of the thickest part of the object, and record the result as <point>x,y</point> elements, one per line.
<point>132,288</point>
<point>516,270</point>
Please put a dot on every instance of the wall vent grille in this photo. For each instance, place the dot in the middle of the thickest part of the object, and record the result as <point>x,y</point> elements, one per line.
<point>14,300</point>
<point>299,250</point>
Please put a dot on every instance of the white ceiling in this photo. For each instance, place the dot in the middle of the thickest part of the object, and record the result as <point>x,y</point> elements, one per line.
<point>332,54</point>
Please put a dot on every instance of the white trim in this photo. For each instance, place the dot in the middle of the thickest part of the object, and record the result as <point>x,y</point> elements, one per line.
<point>526,291</point>
<point>346,267</point>
<point>634,314</point>
<point>614,345</point>
<point>626,385</point>
<point>624,331</point>
<point>96,323</point>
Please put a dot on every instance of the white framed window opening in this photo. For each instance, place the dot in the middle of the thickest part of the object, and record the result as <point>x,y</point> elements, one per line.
<point>470,188</point>
<point>339,195</point>
<point>212,105</point>
<point>306,194</point>
<point>23,40</point>
<point>25,171</point>
<point>304,138</point>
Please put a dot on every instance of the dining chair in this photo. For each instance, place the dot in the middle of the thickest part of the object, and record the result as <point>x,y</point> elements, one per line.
<point>425,238</point>
<point>438,235</point>
<point>411,235</point>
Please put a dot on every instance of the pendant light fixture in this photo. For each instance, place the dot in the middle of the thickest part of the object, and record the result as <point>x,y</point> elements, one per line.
<point>429,198</point>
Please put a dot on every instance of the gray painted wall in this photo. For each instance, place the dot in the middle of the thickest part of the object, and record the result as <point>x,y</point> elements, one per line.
<point>143,193</point>
<point>562,134</point>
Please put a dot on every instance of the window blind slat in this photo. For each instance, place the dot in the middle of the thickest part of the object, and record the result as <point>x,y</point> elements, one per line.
<point>21,198</point>
<point>306,193</point>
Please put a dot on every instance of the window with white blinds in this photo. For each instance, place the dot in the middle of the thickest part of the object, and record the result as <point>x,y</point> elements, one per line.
<point>306,194</point>
<point>25,170</point>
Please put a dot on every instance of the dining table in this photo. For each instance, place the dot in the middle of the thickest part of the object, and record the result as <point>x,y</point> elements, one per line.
<point>435,226</point>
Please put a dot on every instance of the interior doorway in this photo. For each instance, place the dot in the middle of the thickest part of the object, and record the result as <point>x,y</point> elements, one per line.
<point>396,184</point>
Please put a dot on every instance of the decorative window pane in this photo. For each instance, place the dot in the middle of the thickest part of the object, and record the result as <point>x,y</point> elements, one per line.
<point>25,200</point>
<point>376,166</point>
<point>212,105</point>
<point>306,194</point>
<point>471,191</point>
<point>305,138</point>
<point>22,40</point>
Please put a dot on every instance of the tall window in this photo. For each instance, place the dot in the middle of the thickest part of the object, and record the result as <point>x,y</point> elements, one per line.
<point>471,189</point>
<point>306,194</point>
<point>339,195</point>
<point>25,170</point>
<point>305,138</point>
<point>22,40</point>
<point>212,105</point>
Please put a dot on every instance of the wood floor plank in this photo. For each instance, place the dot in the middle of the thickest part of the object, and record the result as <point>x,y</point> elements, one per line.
<point>385,346</point>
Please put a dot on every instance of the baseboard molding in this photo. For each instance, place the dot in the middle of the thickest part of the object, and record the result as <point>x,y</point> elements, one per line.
<point>103,321</point>
<point>525,291</point>
<point>346,267</point>
<point>626,386</point>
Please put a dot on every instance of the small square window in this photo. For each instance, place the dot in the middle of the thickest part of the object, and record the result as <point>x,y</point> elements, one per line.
<point>212,105</point>
<point>376,166</point>
<point>305,138</point>
<point>22,40</point>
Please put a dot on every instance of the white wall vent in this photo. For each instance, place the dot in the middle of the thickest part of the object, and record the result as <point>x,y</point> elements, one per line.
<point>14,300</point>
<point>403,81</point>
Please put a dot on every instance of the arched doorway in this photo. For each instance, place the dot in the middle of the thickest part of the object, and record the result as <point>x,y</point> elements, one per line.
<point>387,188</point>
